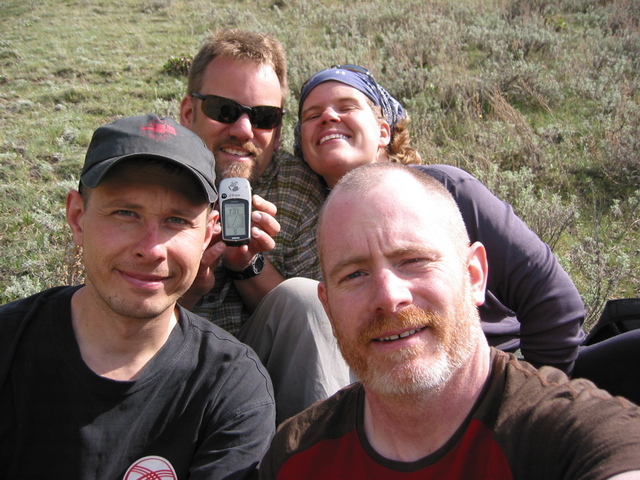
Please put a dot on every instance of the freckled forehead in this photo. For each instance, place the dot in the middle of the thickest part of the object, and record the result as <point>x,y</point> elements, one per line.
<point>390,201</point>
<point>389,215</point>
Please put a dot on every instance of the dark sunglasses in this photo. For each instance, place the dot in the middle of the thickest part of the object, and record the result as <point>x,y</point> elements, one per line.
<point>226,110</point>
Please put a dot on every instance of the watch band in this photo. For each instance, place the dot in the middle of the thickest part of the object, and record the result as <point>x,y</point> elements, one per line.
<point>257,264</point>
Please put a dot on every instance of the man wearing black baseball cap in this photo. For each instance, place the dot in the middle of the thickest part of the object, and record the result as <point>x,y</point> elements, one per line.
<point>112,379</point>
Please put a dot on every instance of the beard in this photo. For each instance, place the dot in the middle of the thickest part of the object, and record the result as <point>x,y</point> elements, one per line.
<point>421,368</point>
<point>237,169</point>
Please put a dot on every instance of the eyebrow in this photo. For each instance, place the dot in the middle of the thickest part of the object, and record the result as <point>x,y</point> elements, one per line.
<point>395,253</point>
<point>342,99</point>
<point>347,262</point>
<point>121,204</point>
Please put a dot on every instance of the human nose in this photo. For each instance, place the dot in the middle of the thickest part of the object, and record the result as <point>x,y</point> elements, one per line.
<point>391,293</point>
<point>329,115</point>
<point>242,127</point>
<point>151,245</point>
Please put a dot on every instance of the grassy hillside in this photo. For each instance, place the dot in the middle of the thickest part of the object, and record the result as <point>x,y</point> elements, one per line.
<point>539,98</point>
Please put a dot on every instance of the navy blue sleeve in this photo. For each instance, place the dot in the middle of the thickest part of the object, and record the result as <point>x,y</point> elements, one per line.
<point>532,304</point>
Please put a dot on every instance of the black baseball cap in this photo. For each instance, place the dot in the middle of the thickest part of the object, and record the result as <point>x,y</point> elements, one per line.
<point>153,137</point>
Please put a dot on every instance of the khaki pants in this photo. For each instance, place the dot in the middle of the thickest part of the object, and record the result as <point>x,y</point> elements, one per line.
<point>292,336</point>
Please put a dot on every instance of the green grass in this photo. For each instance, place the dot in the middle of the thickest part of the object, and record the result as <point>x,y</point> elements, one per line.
<point>539,99</point>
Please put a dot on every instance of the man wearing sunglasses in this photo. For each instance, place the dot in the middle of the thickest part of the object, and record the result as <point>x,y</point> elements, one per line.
<point>234,102</point>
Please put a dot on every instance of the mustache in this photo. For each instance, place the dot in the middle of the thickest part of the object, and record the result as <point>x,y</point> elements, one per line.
<point>236,142</point>
<point>411,317</point>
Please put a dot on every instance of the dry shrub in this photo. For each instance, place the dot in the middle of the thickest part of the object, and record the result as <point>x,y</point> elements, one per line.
<point>73,265</point>
<point>621,165</point>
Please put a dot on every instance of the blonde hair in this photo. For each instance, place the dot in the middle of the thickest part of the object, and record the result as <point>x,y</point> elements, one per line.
<point>399,149</point>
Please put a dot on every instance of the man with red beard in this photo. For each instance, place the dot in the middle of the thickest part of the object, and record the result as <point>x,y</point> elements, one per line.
<point>235,97</point>
<point>401,288</point>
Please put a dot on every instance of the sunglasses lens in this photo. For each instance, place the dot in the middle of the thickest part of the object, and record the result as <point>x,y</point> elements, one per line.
<point>228,113</point>
<point>225,110</point>
<point>221,109</point>
<point>266,118</point>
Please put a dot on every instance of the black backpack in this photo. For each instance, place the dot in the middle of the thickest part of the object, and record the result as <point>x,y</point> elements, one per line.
<point>618,316</point>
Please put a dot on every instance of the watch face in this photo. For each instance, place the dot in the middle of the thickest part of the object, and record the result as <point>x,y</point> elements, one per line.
<point>256,266</point>
<point>258,263</point>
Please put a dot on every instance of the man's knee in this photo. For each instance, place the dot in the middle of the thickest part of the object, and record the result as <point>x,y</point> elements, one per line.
<point>297,290</point>
<point>294,300</point>
<point>290,312</point>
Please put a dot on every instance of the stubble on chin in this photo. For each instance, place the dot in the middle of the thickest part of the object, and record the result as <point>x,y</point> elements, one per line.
<point>143,309</point>
<point>408,370</point>
<point>234,170</point>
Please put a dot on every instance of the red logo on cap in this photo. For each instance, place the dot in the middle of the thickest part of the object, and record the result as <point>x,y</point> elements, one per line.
<point>158,130</point>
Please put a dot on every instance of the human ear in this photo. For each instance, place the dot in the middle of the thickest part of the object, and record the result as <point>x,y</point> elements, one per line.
<point>385,135</point>
<point>212,219</point>
<point>477,267</point>
<point>186,111</point>
<point>75,215</point>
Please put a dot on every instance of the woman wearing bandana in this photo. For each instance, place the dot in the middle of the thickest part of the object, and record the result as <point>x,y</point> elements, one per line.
<point>347,119</point>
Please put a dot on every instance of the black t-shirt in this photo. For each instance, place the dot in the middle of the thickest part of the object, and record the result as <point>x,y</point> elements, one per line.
<point>203,404</point>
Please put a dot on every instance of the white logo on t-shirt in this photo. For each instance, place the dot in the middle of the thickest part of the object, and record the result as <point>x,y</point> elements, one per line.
<point>151,468</point>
